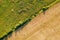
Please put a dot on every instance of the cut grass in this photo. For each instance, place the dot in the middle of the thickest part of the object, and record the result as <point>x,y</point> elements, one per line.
<point>16,12</point>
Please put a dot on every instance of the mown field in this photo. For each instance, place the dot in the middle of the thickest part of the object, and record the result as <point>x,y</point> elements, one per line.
<point>16,12</point>
<point>46,28</point>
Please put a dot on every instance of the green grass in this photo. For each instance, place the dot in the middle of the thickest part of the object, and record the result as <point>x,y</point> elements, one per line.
<point>15,12</point>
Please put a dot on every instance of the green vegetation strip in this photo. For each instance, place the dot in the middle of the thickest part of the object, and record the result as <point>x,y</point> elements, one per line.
<point>18,12</point>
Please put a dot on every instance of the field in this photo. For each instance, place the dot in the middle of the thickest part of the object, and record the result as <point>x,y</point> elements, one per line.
<point>16,12</point>
<point>46,28</point>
